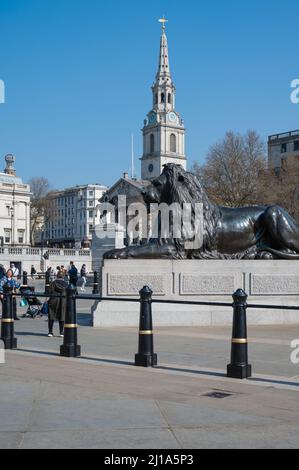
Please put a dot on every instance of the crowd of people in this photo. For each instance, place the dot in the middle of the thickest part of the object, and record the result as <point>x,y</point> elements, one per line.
<point>71,275</point>
<point>59,281</point>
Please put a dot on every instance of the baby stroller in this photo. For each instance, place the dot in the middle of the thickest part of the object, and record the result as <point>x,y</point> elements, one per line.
<point>34,304</point>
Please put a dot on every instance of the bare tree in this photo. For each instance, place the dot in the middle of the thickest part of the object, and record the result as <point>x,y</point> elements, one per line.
<point>281,188</point>
<point>231,172</point>
<point>40,188</point>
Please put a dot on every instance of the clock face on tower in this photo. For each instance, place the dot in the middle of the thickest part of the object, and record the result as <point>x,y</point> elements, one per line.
<point>151,168</point>
<point>152,119</point>
<point>172,117</point>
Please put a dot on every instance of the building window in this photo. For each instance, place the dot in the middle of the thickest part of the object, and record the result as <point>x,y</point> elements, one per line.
<point>156,98</point>
<point>162,98</point>
<point>296,145</point>
<point>90,214</point>
<point>169,98</point>
<point>20,237</point>
<point>152,143</point>
<point>7,236</point>
<point>173,143</point>
<point>90,193</point>
<point>90,228</point>
<point>283,148</point>
<point>90,204</point>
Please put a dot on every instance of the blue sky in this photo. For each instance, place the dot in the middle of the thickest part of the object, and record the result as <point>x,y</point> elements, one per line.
<point>78,75</point>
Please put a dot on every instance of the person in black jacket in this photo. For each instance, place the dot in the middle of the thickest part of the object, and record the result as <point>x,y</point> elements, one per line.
<point>33,272</point>
<point>73,274</point>
<point>57,305</point>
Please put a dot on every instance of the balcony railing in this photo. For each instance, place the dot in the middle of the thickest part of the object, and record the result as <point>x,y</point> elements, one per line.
<point>54,252</point>
<point>285,135</point>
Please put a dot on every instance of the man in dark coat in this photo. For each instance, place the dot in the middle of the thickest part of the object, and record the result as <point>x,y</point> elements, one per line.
<point>57,305</point>
<point>73,274</point>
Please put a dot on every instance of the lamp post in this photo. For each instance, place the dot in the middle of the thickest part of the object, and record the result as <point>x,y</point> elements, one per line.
<point>11,209</point>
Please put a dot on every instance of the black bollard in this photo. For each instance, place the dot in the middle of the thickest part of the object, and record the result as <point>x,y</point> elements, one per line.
<point>96,283</point>
<point>14,307</point>
<point>239,367</point>
<point>146,356</point>
<point>70,348</point>
<point>7,322</point>
<point>25,279</point>
<point>47,282</point>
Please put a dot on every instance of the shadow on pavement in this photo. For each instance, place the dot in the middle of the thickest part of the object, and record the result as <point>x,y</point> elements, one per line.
<point>192,371</point>
<point>166,368</point>
<point>42,353</point>
<point>29,333</point>
<point>279,382</point>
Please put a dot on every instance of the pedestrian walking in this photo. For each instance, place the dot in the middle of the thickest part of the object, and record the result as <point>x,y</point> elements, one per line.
<point>73,274</point>
<point>58,272</point>
<point>64,273</point>
<point>83,274</point>
<point>57,305</point>
<point>15,271</point>
<point>32,272</point>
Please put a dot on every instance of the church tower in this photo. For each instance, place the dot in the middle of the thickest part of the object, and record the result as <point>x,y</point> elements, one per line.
<point>163,131</point>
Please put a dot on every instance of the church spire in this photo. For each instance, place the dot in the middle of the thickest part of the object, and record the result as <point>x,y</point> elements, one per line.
<point>163,131</point>
<point>163,88</point>
<point>164,68</point>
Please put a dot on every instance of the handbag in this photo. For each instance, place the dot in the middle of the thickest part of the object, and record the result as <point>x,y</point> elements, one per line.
<point>23,303</point>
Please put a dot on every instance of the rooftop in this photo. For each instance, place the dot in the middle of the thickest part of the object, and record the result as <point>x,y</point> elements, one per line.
<point>283,136</point>
<point>10,179</point>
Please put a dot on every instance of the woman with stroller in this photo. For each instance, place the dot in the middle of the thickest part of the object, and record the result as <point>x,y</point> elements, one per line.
<point>2,276</point>
<point>9,280</point>
<point>57,304</point>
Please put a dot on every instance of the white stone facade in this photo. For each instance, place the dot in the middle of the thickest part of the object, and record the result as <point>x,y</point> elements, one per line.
<point>14,207</point>
<point>72,215</point>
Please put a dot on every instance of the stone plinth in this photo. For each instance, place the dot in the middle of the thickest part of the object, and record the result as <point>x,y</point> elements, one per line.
<point>265,282</point>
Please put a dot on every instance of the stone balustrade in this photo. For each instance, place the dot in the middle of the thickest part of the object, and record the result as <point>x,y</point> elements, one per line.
<point>28,256</point>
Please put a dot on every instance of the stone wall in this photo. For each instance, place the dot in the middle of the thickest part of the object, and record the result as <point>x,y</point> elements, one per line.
<point>265,282</point>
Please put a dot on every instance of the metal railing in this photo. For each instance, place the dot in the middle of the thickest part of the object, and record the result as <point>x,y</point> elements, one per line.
<point>239,366</point>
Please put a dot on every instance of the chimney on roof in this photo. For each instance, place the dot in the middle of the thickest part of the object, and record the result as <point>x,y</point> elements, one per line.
<point>9,169</point>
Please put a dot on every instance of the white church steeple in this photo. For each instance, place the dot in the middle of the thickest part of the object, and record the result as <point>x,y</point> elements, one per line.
<point>164,131</point>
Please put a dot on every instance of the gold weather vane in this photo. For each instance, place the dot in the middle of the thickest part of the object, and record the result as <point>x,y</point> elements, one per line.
<point>163,21</point>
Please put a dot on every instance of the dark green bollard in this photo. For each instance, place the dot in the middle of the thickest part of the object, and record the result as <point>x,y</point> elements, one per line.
<point>47,282</point>
<point>7,322</point>
<point>25,279</point>
<point>239,367</point>
<point>70,348</point>
<point>146,356</point>
<point>96,283</point>
<point>14,307</point>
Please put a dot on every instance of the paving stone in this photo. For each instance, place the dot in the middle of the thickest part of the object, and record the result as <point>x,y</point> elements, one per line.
<point>182,415</point>
<point>227,437</point>
<point>95,414</point>
<point>10,440</point>
<point>107,439</point>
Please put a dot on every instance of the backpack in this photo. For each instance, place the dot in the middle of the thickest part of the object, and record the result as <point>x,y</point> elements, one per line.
<point>73,271</point>
<point>45,308</point>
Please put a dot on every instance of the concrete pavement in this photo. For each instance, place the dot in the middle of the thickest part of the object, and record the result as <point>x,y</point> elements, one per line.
<point>102,401</point>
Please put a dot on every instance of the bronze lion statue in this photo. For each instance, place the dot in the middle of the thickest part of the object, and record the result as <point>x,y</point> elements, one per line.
<point>253,232</point>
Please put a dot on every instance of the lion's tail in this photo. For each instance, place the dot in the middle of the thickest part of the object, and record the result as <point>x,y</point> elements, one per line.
<point>281,254</point>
